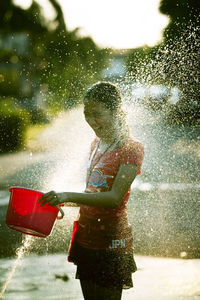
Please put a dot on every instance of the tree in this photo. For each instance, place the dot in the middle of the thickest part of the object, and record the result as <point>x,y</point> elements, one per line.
<point>62,64</point>
<point>182,13</point>
<point>181,51</point>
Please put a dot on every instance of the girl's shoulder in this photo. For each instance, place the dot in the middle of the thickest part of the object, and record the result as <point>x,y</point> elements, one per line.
<point>133,144</point>
<point>132,152</point>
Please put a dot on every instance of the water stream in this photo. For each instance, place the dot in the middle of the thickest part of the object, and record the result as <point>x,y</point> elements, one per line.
<point>27,241</point>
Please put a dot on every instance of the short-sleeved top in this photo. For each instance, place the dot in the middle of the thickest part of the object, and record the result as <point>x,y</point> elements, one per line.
<point>103,175</point>
<point>104,227</point>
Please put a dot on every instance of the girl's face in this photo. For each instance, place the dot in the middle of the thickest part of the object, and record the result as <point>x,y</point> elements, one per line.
<point>100,118</point>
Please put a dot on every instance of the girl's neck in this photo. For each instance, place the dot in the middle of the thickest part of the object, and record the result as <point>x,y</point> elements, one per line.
<point>116,135</point>
<point>113,142</point>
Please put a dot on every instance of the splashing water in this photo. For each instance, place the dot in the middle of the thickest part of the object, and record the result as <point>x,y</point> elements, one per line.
<point>20,252</point>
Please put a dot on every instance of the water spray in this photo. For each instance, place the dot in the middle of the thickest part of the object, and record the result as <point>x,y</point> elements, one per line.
<point>27,241</point>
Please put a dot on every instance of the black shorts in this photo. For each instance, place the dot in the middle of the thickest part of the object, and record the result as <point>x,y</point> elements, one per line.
<point>105,267</point>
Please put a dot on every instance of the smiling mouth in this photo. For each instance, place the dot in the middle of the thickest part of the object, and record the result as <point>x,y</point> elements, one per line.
<point>97,128</point>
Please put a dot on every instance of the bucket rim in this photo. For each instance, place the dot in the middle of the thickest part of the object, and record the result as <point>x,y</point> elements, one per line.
<point>24,188</point>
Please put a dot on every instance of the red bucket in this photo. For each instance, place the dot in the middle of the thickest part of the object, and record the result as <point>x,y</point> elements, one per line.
<point>25,214</point>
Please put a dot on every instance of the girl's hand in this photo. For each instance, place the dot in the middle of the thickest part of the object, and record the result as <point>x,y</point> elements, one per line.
<point>52,197</point>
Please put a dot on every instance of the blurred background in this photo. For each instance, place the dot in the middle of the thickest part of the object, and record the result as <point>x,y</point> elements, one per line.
<point>51,51</point>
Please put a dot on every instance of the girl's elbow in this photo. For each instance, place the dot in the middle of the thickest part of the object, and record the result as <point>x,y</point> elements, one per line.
<point>116,201</point>
<point>114,205</point>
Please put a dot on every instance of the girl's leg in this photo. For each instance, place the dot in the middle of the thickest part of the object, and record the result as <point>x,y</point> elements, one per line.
<point>88,289</point>
<point>92,291</point>
<point>108,293</point>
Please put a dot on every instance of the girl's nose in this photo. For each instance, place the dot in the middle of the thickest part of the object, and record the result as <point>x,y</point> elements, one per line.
<point>91,121</point>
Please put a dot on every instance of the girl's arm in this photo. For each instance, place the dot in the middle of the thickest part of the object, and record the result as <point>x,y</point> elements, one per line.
<point>111,199</point>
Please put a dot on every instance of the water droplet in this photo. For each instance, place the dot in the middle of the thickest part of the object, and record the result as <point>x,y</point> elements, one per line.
<point>183,254</point>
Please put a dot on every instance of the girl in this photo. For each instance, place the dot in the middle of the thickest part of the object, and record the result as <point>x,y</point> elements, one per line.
<point>103,247</point>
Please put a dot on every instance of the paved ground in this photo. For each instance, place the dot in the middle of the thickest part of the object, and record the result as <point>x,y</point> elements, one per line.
<point>156,279</point>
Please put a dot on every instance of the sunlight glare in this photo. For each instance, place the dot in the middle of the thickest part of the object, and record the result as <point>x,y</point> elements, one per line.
<point>117,24</point>
<point>25,4</point>
<point>112,23</point>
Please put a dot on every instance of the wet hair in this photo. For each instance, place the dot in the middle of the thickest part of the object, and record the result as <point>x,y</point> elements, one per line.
<point>109,95</point>
<point>105,93</point>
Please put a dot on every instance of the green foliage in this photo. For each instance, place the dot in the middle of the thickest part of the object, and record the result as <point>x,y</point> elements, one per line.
<point>15,19</point>
<point>51,56</point>
<point>38,116</point>
<point>13,124</point>
<point>9,82</point>
<point>68,66</point>
<point>182,9</point>
<point>181,49</point>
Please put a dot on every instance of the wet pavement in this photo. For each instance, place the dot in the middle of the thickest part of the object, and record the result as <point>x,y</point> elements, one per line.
<point>60,145</point>
<point>164,209</point>
<point>37,277</point>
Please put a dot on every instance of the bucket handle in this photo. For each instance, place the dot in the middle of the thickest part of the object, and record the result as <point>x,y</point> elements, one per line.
<point>61,211</point>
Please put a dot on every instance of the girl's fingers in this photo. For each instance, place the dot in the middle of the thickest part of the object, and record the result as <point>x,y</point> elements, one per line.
<point>45,197</point>
<point>51,198</point>
<point>44,202</point>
